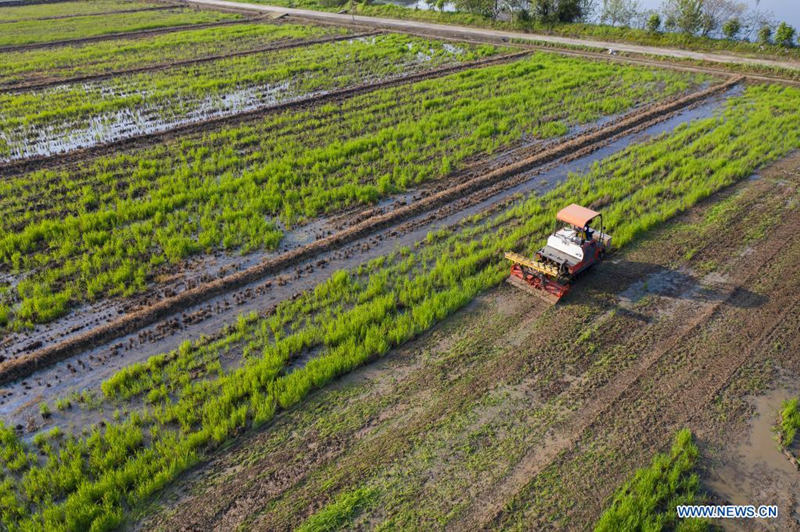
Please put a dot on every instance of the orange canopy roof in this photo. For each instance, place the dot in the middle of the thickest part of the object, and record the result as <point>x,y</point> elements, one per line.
<point>576,215</point>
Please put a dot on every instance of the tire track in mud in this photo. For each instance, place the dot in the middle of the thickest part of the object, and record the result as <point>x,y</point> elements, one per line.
<point>246,493</point>
<point>141,141</point>
<point>266,483</point>
<point>473,376</point>
<point>687,398</point>
<point>187,62</point>
<point>380,239</point>
<point>125,35</point>
<point>486,515</point>
<point>26,365</point>
<point>694,375</point>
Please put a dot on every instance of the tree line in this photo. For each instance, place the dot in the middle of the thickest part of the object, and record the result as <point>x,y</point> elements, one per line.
<point>708,18</point>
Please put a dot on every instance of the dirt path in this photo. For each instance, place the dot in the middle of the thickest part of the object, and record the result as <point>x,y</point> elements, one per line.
<point>464,31</point>
<point>507,415</point>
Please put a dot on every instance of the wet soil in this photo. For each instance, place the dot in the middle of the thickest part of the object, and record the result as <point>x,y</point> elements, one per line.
<point>127,35</point>
<point>87,367</point>
<point>143,140</point>
<point>511,414</point>
<point>751,469</point>
<point>280,45</point>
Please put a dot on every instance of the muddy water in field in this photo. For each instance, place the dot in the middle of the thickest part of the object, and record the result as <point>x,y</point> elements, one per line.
<point>92,367</point>
<point>754,471</point>
<point>140,106</point>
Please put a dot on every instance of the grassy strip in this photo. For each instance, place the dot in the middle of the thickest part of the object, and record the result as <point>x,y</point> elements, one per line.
<point>649,499</point>
<point>340,512</point>
<point>790,422</point>
<point>73,116</point>
<point>106,56</point>
<point>41,31</point>
<point>69,8</point>
<point>85,481</point>
<point>104,226</point>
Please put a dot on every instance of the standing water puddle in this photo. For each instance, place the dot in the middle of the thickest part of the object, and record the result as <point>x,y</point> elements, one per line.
<point>753,469</point>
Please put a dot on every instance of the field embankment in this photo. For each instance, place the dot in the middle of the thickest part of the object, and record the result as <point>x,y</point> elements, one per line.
<point>269,292</point>
<point>326,181</point>
<point>106,111</point>
<point>45,11</point>
<point>20,367</point>
<point>31,34</point>
<point>475,415</point>
<point>503,35</point>
<point>36,69</point>
<point>191,405</point>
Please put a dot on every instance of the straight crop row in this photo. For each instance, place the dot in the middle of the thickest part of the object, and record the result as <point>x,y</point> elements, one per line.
<point>356,316</point>
<point>105,56</point>
<point>104,227</point>
<point>67,117</point>
<point>42,31</point>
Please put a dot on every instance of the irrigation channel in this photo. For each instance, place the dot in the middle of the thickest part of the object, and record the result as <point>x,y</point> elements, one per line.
<point>88,364</point>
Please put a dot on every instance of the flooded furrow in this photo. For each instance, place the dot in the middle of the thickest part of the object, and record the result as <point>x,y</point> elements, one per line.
<point>19,399</point>
<point>142,107</point>
<point>131,140</point>
<point>277,46</point>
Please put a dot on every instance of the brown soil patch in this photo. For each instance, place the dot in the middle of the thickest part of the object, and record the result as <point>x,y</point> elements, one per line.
<point>511,415</point>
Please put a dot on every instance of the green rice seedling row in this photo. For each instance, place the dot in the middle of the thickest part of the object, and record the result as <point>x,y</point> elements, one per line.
<point>648,501</point>
<point>122,217</point>
<point>67,117</point>
<point>58,9</point>
<point>183,404</point>
<point>44,31</point>
<point>43,65</point>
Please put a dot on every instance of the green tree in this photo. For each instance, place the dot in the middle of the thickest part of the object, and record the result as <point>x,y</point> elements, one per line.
<point>731,28</point>
<point>764,35</point>
<point>569,10</point>
<point>654,23</point>
<point>784,35</point>
<point>555,11</point>
<point>619,12</point>
<point>685,15</point>
<point>717,12</point>
<point>485,8</point>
